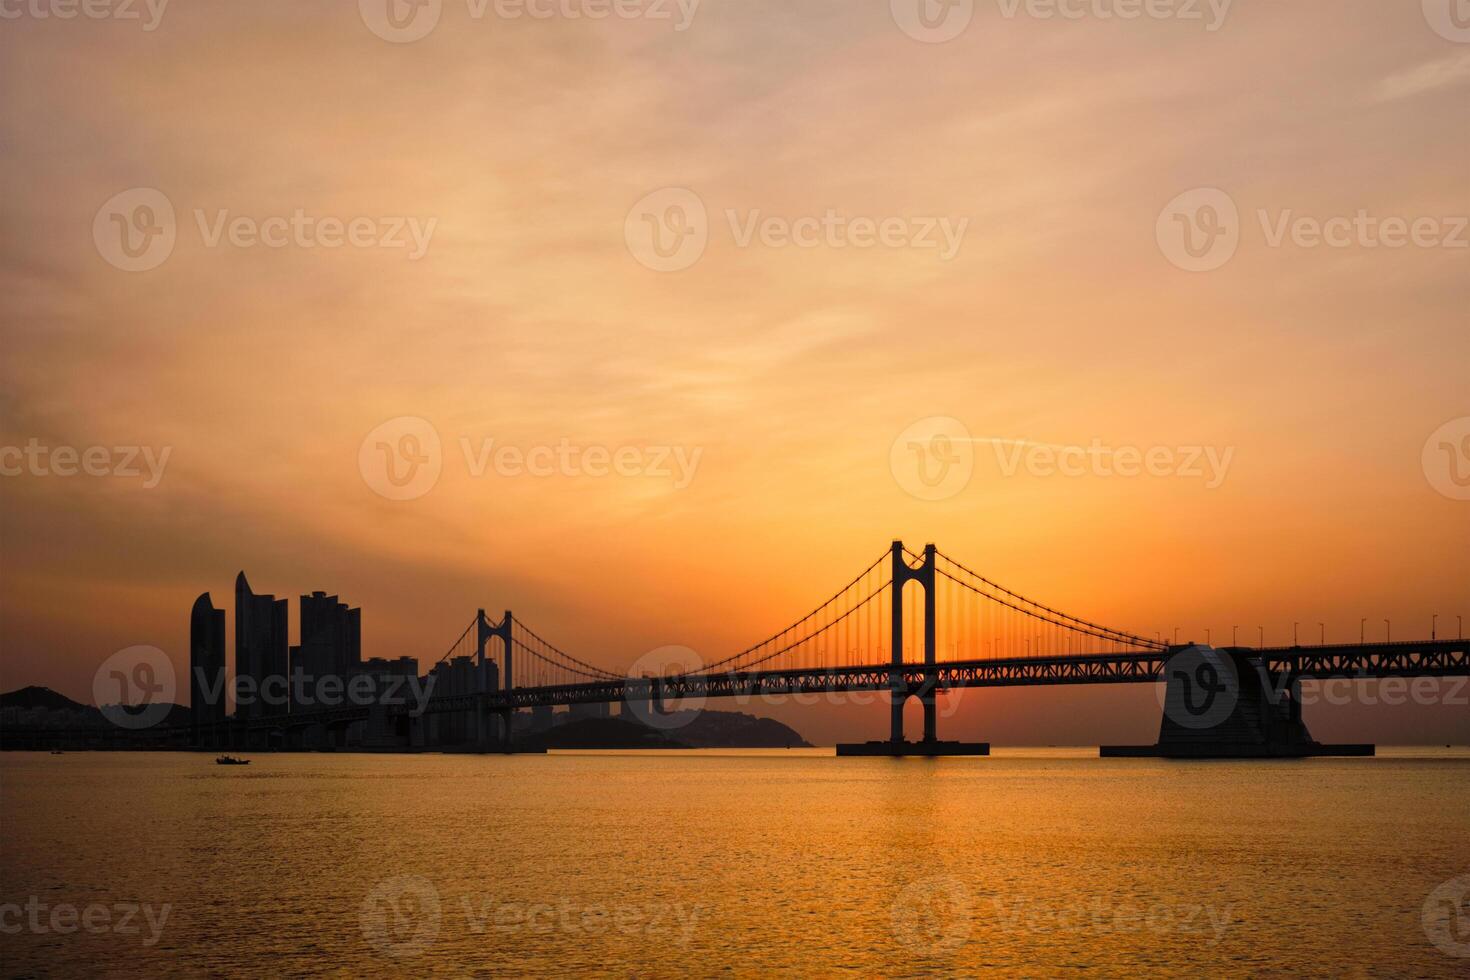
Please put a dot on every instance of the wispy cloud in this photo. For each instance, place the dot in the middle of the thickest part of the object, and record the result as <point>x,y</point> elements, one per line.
<point>1424,78</point>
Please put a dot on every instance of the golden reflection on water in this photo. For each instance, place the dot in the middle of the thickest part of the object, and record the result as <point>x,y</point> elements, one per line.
<point>1037,861</point>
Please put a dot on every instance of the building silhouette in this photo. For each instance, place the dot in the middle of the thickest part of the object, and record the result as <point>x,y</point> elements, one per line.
<point>261,650</point>
<point>331,644</point>
<point>457,676</point>
<point>206,669</point>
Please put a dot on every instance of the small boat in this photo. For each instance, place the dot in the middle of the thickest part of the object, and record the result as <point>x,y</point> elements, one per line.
<point>59,752</point>
<point>229,760</point>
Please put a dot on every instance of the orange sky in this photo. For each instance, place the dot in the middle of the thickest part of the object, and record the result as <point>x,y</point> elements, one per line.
<point>791,371</point>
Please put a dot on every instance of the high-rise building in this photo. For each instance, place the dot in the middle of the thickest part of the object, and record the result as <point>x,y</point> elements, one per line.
<point>206,667</point>
<point>331,643</point>
<point>458,675</point>
<point>260,651</point>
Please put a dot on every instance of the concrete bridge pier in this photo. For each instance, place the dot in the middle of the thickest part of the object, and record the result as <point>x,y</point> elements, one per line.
<point>1225,704</point>
<point>931,716</point>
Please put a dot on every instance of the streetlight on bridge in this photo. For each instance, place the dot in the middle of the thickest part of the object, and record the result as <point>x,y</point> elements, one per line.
<point>1362,631</point>
<point>1388,628</point>
<point>1434,627</point>
<point>1323,628</point>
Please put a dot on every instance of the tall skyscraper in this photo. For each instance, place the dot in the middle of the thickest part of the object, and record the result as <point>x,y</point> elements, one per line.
<point>331,642</point>
<point>206,667</point>
<point>260,650</point>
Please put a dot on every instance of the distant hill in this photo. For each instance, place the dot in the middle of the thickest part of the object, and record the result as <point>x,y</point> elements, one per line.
<point>39,697</point>
<point>33,708</point>
<point>734,730</point>
<point>686,730</point>
<point>604,733</point>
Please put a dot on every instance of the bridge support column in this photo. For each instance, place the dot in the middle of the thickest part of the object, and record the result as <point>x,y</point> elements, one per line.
<point>1224,704</point>
<point>900,689</point>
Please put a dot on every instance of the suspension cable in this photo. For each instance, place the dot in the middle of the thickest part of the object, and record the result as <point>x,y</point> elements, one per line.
<point>1119,635</point>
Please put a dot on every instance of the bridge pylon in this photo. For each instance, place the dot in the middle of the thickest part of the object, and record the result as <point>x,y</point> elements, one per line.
<point>900,690</point>
<point>1229,704</point>
<point>493,728</point>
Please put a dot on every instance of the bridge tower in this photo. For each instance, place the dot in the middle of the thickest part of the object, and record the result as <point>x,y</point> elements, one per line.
<point>489,680</point>
<point>900,693</point>
<point>901,688</point>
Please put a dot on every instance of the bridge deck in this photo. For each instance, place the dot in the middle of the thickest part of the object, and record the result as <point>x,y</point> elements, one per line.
<point>1440,658</point>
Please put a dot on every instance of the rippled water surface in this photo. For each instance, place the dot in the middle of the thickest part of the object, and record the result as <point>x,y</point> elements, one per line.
<point>1038,862</point>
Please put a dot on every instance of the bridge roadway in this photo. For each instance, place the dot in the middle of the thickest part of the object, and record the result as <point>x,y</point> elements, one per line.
<point>1374,661</point>
<point>1426,658</point>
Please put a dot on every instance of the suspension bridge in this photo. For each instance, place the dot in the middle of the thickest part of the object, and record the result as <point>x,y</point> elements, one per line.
<point>919,624</point>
